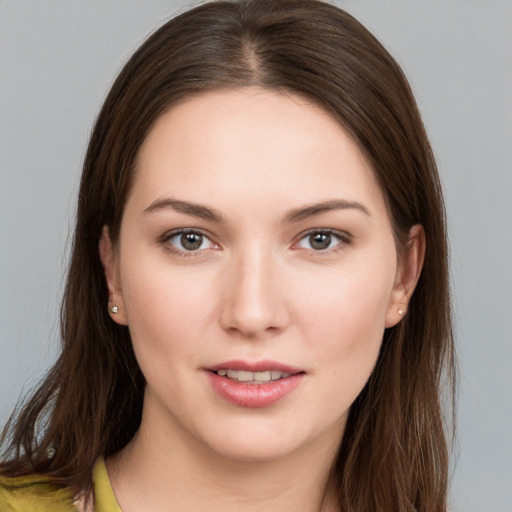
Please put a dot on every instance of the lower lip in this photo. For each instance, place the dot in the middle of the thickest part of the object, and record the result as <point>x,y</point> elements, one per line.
<point>254,395</point>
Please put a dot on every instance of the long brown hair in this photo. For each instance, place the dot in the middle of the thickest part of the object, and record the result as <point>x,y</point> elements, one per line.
<point>394,453</point>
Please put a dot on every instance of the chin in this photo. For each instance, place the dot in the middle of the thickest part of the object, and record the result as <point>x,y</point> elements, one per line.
<point>253,450</point>
<point>269,442</point>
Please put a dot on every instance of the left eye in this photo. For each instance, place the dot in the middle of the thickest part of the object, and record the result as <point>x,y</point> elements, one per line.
<point>190,241</point>
<point>320,241</point>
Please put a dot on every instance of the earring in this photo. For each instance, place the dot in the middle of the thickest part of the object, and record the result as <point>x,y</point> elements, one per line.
<point>401,312</point>
<point>113,310</point>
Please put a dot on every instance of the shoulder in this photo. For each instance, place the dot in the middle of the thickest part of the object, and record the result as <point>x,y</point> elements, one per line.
<point>33,493</point>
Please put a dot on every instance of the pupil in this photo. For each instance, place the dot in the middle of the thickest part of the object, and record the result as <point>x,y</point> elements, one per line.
<point>191,241</point>
<point>320,241</point>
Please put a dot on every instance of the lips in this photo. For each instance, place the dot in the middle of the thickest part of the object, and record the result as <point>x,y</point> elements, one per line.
<point>258,366</point>
<point>253,377</point>
<point>254,385</point>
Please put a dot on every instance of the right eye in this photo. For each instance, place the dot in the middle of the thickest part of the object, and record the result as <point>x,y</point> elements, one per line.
<point>190,241</point>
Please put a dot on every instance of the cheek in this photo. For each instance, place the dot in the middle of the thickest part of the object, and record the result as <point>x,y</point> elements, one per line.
<point>345,333</point>
<point>343,317</point>
<point>167,310</point>
<point>346,301</point>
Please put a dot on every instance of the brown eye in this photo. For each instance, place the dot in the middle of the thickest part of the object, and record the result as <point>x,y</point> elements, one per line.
<point>323,240</point>
<point>320,241</point>
<point>191,241</point>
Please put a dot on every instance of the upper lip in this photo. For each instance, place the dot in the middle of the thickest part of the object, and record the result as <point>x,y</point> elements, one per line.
<point>256,366</point>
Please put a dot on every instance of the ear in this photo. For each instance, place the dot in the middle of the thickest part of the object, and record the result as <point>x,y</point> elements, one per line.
<point>109,260</point>
<point>407,276</point>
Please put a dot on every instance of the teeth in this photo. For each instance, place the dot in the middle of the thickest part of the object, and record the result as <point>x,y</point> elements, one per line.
<point>241,376</point>
<point>252,377</point>
<point>263,376</point>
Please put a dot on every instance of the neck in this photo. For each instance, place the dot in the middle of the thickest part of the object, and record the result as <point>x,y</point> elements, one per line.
<point>177,473</point>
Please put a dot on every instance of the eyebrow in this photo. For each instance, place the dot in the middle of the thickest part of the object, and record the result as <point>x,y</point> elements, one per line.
<point>196,210</point>
<point>299,214</point>
<point>295,215</point>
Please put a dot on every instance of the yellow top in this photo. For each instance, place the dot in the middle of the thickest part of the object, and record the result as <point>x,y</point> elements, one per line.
<point>35,493</point>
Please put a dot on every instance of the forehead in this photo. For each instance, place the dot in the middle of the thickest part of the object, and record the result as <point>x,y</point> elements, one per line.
<point>242,143</point>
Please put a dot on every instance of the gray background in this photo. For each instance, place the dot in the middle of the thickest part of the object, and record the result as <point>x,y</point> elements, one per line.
<point>57,60</point>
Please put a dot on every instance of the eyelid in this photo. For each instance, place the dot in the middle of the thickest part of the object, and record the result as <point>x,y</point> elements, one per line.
<point>168,235</point>
<point>344,239</point>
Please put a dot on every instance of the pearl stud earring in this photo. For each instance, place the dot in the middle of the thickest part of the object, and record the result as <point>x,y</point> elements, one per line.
<point>113,310</point>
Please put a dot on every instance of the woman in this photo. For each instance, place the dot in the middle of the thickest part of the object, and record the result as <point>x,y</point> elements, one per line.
<point>256,313</point>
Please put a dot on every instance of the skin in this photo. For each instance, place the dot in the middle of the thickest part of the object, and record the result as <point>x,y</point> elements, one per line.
<point>256,289</point>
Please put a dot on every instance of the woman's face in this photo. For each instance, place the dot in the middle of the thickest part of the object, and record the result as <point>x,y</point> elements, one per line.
<point>256,270</point>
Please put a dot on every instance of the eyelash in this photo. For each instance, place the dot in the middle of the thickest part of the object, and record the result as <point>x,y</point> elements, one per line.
<point>343,238</point>
<point>168,237</point>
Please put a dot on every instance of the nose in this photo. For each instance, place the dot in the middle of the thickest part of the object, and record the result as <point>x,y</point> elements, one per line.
<point>254,303</point>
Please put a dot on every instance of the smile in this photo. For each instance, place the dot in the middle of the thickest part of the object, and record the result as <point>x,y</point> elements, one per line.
<point>253,377</point>
<point>254,385</point>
